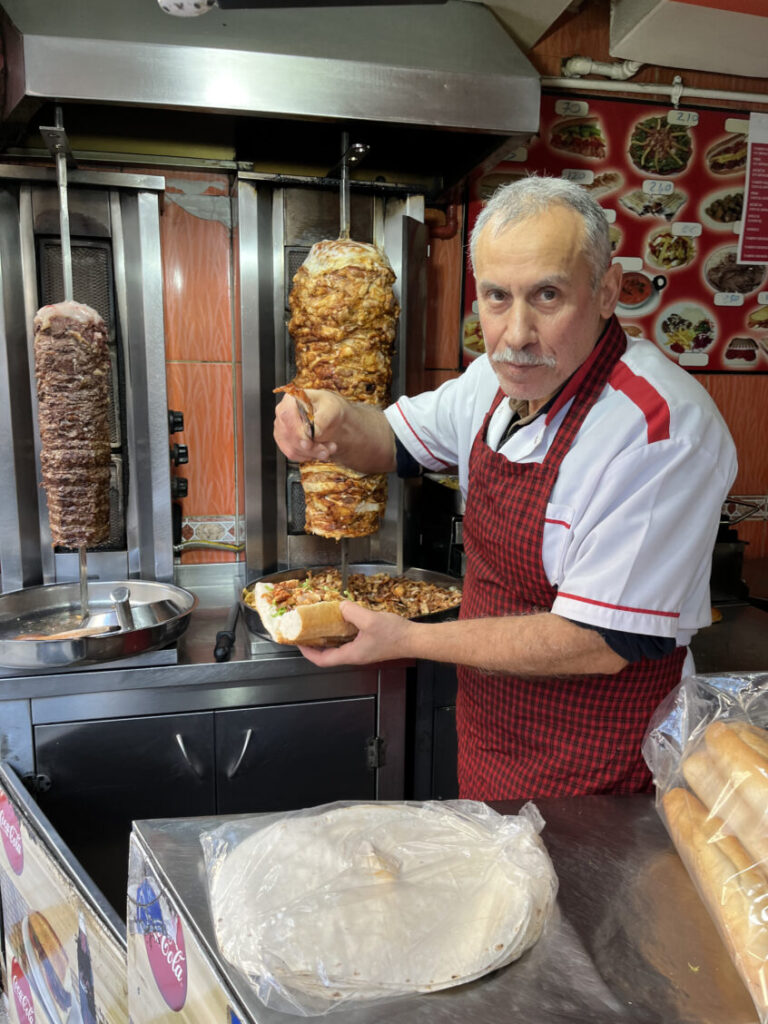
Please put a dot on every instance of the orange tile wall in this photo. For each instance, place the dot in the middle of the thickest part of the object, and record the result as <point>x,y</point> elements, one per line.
<point>202,362</point>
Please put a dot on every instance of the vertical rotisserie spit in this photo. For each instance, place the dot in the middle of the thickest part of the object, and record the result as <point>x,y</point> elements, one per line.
<point>72,376</point>
<point>343,324</point>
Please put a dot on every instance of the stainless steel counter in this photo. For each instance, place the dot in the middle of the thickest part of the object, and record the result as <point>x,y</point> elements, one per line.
<point>630,940</point>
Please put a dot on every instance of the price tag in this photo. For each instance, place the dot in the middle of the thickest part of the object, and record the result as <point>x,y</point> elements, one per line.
<point>762,298</point>
<point>652,187</point>
<point>581,177</point>
<point>737,124</point>
<point>693,359</point>
<point>729,299</point>
<point>687,117</point>
<point>517,156</point>
<point>628,262</point>
<point>610,216</point>
<point>690,229</point>
<point>571,108</point>
<point>736,227</point>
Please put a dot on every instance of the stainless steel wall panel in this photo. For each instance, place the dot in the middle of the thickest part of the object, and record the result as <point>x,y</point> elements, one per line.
<point>20,555</point>
<point>258,268</point>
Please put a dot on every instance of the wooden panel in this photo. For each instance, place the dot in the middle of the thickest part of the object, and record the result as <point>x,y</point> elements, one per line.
<point>587,32</point>
<point>445,271</point>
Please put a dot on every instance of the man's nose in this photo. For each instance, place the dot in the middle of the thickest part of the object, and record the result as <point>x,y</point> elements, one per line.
<point>518,326</point>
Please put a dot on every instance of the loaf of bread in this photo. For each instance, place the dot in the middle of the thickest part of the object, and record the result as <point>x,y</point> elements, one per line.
<point>729,774</point>
<point>734,889</point>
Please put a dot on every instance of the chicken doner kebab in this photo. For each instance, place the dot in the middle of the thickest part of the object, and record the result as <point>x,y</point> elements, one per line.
<point>72,378</point>
<point>343,324</point>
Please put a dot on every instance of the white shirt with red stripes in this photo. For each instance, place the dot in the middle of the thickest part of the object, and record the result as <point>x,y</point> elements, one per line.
<point>634,512</point>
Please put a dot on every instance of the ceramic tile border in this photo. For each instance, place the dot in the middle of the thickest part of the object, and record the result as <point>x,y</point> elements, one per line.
<point>207,529</point>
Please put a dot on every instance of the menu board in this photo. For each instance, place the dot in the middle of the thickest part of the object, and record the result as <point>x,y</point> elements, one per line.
<point>672,184</point>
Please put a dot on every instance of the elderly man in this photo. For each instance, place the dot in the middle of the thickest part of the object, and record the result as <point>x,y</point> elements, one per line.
<point>594,471</point>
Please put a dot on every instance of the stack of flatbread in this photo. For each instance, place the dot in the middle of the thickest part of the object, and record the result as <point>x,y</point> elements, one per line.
<point>368,901</point>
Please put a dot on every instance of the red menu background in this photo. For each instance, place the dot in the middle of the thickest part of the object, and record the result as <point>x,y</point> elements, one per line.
<point>701,310</point>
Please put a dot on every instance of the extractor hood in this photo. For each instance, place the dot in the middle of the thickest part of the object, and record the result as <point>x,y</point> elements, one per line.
<point>397,74</point>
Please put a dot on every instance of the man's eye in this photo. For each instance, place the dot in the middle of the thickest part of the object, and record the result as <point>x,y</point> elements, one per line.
<point>495,296</point>
<point>548,294</point>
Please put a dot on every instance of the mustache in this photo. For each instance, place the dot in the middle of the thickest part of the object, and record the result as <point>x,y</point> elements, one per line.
<point>522,357</point>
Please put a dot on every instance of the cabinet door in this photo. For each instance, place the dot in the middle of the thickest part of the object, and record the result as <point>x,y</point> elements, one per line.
<point>287,756</point>
<point>105,774</point>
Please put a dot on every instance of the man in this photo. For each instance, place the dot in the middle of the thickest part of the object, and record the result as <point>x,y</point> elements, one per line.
<point>594,471</point>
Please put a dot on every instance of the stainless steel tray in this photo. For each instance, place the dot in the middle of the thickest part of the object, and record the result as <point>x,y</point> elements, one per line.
<point>160,615</point>
<point>252,618</point>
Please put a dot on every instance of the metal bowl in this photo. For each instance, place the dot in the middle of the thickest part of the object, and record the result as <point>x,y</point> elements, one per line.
<point>160,615</point>
<point>253,621</point>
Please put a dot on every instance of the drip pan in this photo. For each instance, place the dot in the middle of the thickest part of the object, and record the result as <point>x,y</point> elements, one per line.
<point>160,614</point>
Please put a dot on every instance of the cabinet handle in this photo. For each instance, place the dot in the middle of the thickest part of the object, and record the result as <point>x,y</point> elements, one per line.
<point>180,741</point>
<point>236,766</point>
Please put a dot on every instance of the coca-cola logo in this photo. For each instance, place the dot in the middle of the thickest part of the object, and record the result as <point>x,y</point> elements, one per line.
<point>168,961</point>
<point>25,1007</point>
<point>10,831</point>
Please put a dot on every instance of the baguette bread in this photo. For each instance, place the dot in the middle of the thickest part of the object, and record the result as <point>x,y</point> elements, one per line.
<point>740,751</point>
<point>722,796</point>
<point>312,625</point>
<point>735,892</point>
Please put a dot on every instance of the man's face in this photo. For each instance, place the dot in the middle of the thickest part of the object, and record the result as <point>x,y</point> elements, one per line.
<point>538,309</point>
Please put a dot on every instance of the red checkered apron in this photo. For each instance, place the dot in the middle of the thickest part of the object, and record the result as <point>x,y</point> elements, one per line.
<point>523,738</point>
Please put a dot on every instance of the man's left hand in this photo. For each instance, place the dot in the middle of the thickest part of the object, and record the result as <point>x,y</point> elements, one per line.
<point>381,637</point>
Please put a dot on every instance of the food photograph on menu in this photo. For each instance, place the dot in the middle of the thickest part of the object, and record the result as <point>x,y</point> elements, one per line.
<point>672,183</point>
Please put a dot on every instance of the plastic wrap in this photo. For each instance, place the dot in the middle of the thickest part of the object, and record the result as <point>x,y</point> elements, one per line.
<point>348,902</point>
<point>707,747</point>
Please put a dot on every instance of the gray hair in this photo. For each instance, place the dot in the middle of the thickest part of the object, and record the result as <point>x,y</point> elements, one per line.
<point>532,195</point>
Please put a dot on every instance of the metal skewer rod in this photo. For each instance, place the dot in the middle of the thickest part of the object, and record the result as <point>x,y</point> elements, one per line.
<point>61,178</point>
<point>59,147</point>
<point>344,229</point>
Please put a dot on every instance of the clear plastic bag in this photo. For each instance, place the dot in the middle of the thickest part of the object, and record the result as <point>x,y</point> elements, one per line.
<point>707,747</point>
<point>348,902</point>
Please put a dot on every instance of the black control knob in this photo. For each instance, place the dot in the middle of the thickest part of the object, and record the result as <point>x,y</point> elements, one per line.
<point>179,454</point>
<point>179,486</point>
<point>175,421</point>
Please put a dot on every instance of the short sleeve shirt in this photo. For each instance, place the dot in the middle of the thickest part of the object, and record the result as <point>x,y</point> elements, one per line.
<point>634,512</point>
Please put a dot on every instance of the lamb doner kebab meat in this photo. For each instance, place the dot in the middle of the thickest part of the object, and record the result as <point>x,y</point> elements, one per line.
<point>72,377</point>
<point>343,324</point>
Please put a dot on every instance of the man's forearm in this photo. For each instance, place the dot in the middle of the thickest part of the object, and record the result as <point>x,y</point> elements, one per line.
<point>365,440</point>
<point>536,645</point>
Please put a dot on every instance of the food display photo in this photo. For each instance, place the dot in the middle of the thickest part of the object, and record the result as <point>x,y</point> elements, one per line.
<point>672,183</point>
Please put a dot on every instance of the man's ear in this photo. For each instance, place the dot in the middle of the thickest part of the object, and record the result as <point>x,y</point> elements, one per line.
<point>610,289</point>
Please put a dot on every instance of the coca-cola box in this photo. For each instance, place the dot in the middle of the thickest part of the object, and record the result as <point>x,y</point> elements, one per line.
<point>173,971</point>
<point>64,953</point>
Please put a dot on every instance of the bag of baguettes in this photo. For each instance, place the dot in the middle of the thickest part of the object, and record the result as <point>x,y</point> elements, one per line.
<point>707,747</point>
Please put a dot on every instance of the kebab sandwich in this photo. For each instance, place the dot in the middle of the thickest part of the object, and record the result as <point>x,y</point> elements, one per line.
<point>306,609</point>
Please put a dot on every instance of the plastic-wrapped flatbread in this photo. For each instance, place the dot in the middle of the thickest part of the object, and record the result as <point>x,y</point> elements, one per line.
<point>370,901</point>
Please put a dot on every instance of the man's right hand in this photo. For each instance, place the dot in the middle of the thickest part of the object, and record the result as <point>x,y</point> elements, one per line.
<point>353,434</point>
<point>290,431</point>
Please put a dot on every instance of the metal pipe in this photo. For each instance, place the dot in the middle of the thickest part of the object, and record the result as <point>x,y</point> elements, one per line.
<point>575,67</point>
<point>675,91</point>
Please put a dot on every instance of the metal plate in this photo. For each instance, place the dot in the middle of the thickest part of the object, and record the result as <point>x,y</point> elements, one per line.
<point>160,614</point>
<point>252,618</point>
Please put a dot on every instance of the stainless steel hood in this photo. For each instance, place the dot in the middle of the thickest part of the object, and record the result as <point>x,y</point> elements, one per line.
<point>440,67</point>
